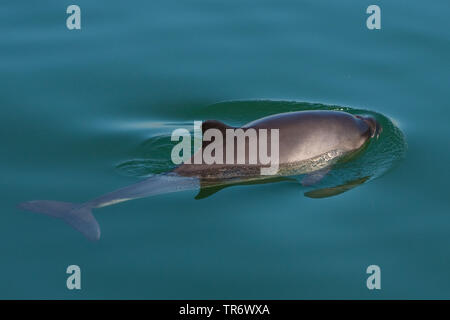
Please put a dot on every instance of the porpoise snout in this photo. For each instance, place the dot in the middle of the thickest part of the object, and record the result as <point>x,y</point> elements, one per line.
<point>374,125</point>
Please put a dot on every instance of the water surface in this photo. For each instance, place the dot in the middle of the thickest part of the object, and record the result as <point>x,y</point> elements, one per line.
<point>77,106</point>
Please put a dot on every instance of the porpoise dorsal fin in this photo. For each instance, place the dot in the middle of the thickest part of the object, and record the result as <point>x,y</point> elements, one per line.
<point>214,124</point>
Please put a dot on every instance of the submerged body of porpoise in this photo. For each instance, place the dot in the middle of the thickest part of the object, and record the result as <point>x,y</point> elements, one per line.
<point>310,142</point>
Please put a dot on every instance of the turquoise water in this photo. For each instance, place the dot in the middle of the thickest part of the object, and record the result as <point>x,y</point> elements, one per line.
<point>82,113</point>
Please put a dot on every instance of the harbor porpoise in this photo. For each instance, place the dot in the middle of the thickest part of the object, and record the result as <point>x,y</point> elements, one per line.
<point>310,142</point>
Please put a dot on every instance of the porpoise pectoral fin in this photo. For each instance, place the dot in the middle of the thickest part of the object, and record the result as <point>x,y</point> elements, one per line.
<point>209,191</point>
<point>207,188</point>
<point>333,191</point>
<point>210,187</point>
<point>315,177</point>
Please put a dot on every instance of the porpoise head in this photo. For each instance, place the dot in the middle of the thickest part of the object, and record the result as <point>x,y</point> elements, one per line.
<point>357,133</point>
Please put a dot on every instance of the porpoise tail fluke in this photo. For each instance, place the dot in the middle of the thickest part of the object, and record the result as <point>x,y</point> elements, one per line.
<point>78,216</point>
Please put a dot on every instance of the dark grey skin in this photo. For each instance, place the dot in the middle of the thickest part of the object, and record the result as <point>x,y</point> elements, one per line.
<point>309,142</point>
